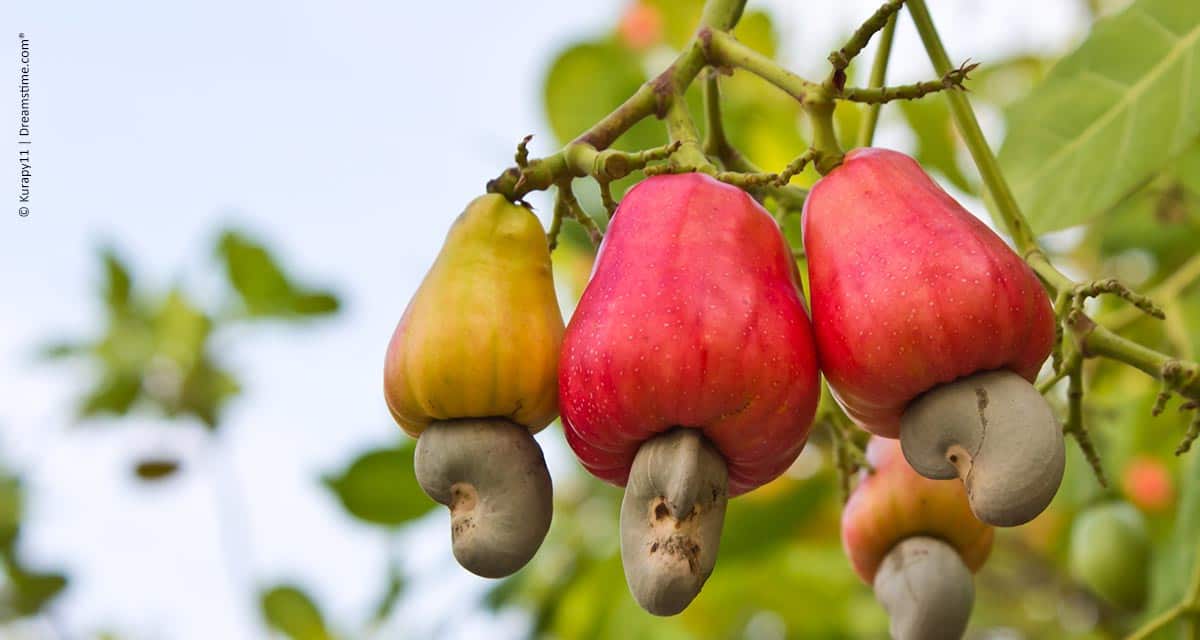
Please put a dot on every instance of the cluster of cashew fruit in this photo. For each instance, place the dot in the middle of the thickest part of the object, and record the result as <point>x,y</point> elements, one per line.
<point>916,541</point>
<point>689,375</point>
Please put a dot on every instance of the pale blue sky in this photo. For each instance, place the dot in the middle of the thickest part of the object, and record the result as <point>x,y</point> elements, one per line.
<point>348,135</point>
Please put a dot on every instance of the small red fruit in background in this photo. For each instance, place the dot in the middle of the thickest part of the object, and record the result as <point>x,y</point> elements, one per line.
<point>1147,482</point>
<point>641,26</point>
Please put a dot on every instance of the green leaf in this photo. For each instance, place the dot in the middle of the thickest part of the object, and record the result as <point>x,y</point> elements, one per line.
<point>1163,217</point>
<point>292,612</point>
<point>264,289</point>
<point>10,510</point>
<point>680,19</point>
<point>114,394</point>
<point>315,304</point>
<point>937,142</point>
<point>204,392</point>
<point>1174,562</point>
<point>772,520</point>
<point>34,590</point>
<point>390,598</point>
<point>59,350</point>
<point>380,487</point>
<point>117,285</point>
<point>589,80</point>
<point>1108,116</point>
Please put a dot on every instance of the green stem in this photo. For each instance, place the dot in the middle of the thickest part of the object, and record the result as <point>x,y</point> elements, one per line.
<point>1173,285</point>
<point>649,99</point>
<point>989,170</point>
<point>682,131</point>
<point>714,129</point>
<point>1099,341</point>
<point>725,50</point>
<point>879,95</point>
<point>841,58</point>
<point>878,74</point>
<point>827,153</point>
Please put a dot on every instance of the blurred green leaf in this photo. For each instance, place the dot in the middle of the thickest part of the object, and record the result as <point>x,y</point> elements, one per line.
<point>154,469</point>
<point>260,282</point>
<point>391,597</point>
<point>586,82</point>
<point>768,521</point>
<point>31,590</point>
<point>117,284</point>
<point>380,487</point>
<point>1107,116</point>
<point>115,393</point>
<point>1163,217</point>
<point>1174,562</point>
<point>680,18</point>
<point>64,349</point>
<point>937,140</point>
<point>10,510</point>
<point>292,612</point>
<point>204,392</point>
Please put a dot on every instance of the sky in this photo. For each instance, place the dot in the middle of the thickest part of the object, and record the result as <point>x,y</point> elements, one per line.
<point>347,135</point>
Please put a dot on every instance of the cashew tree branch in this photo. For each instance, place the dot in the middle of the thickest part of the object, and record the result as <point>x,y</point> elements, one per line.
<point>1092,340</point>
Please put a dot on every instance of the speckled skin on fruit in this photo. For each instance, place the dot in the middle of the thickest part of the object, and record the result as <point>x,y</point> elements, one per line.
<point>909,290</point>
<point>693,318</point>
<point>895,503</point>
<point>480,338</point>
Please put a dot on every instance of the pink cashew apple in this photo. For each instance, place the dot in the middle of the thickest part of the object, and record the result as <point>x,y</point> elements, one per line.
<point>688,372</point>
<point>931,329</point>
<point>916,540</point>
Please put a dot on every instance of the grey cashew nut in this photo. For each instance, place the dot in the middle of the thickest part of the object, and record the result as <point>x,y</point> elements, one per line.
<point>926,589</point>
<point>492,476</point>
<point>671,519</point>
<point>996,432</point>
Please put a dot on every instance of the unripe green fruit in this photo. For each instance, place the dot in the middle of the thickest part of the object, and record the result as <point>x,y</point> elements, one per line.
<point>1110,552</point>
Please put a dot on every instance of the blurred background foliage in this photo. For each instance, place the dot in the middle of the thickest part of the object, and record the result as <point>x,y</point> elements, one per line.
<point>781,572</point>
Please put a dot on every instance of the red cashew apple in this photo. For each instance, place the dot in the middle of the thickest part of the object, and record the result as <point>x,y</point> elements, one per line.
<point>916,541</point>
<point>931,329</point>
<point>687,374</point>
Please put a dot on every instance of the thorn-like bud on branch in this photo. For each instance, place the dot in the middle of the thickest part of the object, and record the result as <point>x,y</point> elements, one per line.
<point>565,205</point>
<point>841,58</point>
<point>952,80</point>
<point>522,156</point>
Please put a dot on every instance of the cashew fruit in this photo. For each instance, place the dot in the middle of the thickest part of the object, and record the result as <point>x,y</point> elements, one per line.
<point>471,372</point>
<point>481,336</point>
<point>916,542</point>
<point>895,502</point>
<point>931,329</point>
<point>688,372</point>
<point>693,318</point>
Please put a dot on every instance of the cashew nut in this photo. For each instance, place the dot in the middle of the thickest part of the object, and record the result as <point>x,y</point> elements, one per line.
<point>671,519</point>
<point>492,476</point>
<point>996,432</point>
<point>926,589</point>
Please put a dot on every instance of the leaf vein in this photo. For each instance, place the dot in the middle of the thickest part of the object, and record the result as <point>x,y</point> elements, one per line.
<point>1181,46</point>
